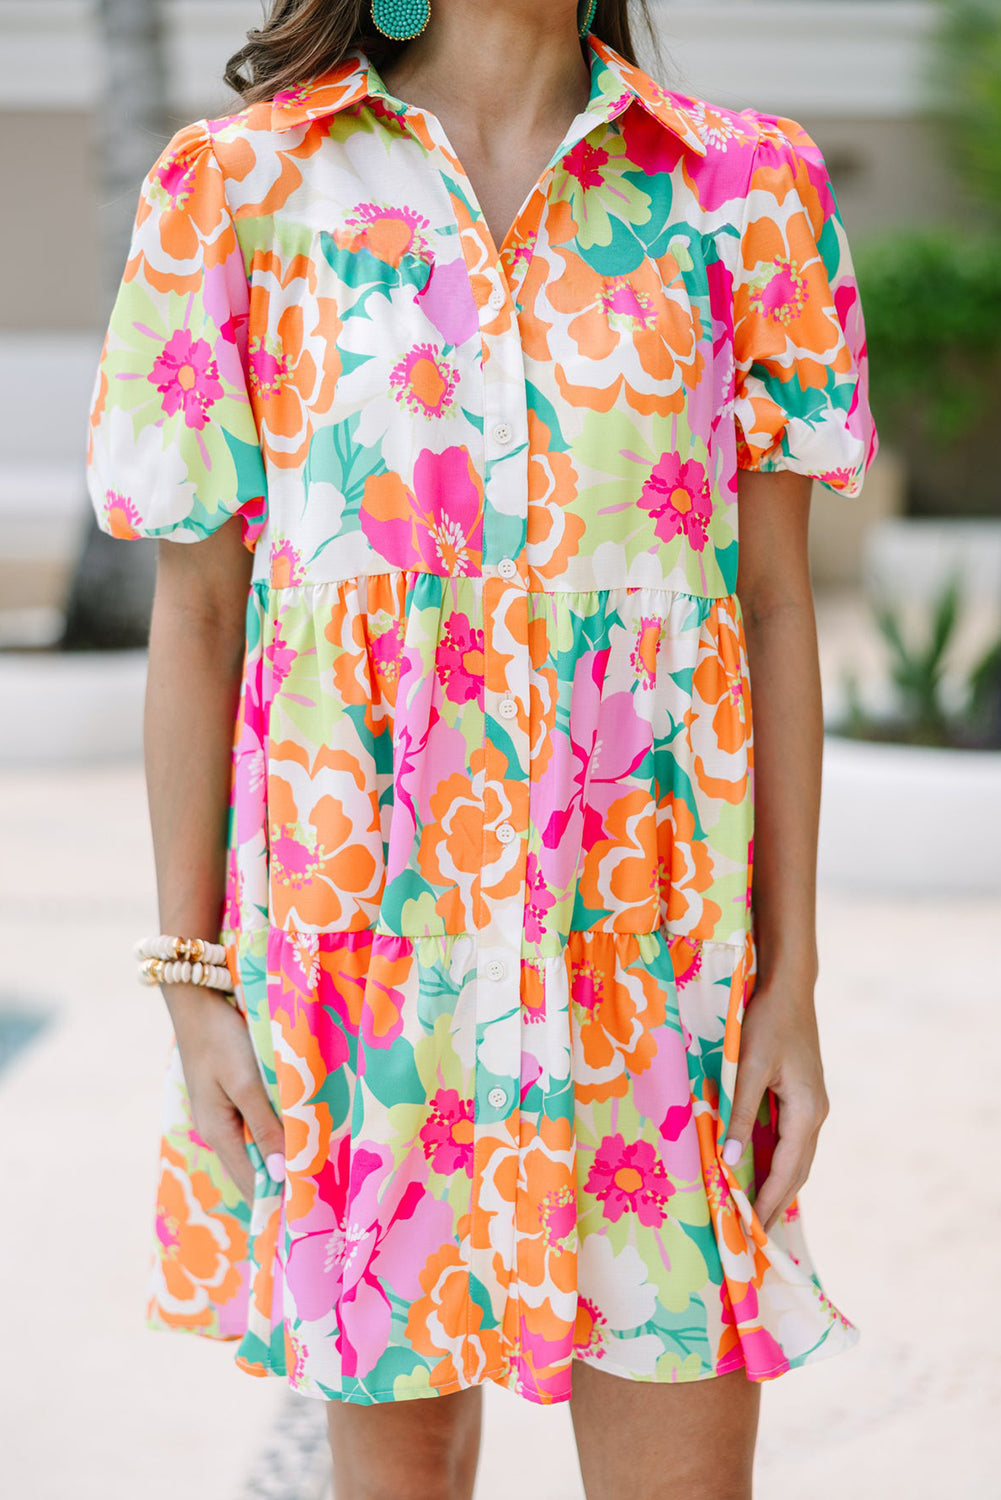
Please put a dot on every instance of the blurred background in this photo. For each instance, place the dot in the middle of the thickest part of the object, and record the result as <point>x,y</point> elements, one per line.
<point>904,1205</point>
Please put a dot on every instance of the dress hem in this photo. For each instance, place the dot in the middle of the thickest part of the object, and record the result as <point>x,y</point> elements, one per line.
<point>824,1350</point>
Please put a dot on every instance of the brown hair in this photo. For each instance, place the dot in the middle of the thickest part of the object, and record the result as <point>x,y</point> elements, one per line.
<point>302,38</point>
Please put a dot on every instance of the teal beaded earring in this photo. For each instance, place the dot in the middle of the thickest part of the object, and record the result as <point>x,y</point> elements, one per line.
<point>401,19</point>
<point>589,7</point>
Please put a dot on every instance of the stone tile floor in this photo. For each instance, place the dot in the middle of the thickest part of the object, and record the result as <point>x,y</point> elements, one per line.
<point>903,1209</point>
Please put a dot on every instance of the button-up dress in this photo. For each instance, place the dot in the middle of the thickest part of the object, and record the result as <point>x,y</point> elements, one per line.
<point>488,897</point>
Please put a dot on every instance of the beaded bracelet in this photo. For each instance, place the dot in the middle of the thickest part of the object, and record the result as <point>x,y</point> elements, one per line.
<point>165,946</point>
<point>175,960</point>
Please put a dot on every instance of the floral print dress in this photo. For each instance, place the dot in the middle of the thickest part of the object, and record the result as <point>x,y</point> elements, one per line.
<point>490,834</point>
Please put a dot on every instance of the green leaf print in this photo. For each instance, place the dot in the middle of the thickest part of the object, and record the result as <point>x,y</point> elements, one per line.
<point>390,1077</point>
<point>546,412</point>
<point>368,274</point>
<point>248,461</point>
<point>335,1091</point>
<point>337,458</point>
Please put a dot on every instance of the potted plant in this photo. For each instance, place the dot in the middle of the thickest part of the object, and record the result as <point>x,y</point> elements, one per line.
<point>915,782</point>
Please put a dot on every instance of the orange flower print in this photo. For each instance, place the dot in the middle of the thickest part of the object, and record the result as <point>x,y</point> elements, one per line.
<point>424,381</point>
<point>619,874</point>
<point>546,1207</point>
<point>687,873</point>
<point>649,313</point>
<point>121,515</point>
<point>183,214</point>
<point>445,1324</point>
<point>616,1007</point>
<point>200,1251</point>
<point>589,1335</point>
<point>719,722</point>
<point>643,656</point>
<point>784,300</point>
<point>296,1355</point>
<point>293,355</point>
<point>387,231</point>
<point>554,528</point>
<point>533,992</point>
<point>286,569</point>
<point>451,848</point>
<point>325,870</point>
<point>686,960</point>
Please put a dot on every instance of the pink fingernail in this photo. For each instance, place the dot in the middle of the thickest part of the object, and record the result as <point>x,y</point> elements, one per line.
<point>732,1152</point>
<point>275,1164</point>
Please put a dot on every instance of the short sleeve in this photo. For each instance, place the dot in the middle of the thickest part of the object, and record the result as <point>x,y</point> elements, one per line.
<point>801,369</point>
<point>173,448</point>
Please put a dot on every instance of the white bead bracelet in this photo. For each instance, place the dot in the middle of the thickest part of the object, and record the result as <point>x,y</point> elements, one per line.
<point>167,947</point>
<point>175,960</point>
<point>211,976</point>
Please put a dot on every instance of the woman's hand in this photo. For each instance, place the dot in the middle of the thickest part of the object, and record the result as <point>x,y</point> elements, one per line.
<point>224,1083</point>
<point>780,1049</point>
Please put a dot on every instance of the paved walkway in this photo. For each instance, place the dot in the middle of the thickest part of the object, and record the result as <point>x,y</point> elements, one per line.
<point>903,1208</point>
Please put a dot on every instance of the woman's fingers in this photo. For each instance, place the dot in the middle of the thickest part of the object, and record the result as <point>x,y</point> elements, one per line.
<point>254,1105</point>
<point>751,1084</point>
<point>800,1119</point>
<point>220,1125</point>
<point>227,1092</point>
<point>789,1168</point>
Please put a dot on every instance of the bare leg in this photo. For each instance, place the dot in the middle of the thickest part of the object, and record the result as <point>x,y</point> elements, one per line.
<point>691,1441</point>
<point>422,1449</point>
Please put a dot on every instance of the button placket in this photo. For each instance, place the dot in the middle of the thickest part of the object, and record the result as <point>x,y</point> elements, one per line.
<point>506,746</point>
<point>504,620</point>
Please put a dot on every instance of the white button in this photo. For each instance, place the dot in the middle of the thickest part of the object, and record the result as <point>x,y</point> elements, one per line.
<point>507,708</point>
<point>497,1097</point>
<point>507,567</point>
<point>496,299</point>
<point>506,833</point>
<point>495,969</point>
<point>502,432</point>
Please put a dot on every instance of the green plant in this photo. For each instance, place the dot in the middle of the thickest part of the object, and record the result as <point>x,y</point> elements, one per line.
<point>965,82</point>
<point>917,674</point>
<point>932,302</point>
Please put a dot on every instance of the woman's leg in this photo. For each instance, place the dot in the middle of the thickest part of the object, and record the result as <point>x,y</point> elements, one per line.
<point>421,1449</point>
<point>691,1441</point>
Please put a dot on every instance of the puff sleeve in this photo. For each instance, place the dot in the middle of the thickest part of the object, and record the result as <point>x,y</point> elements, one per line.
<point>173,448</point>
<point>801,370</point>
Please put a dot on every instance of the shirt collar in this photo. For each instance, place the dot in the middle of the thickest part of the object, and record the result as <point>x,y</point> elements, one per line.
<point>614,83</point>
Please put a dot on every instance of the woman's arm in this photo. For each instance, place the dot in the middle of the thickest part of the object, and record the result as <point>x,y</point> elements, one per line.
<point>196,645</point>
<point>779,1043</point>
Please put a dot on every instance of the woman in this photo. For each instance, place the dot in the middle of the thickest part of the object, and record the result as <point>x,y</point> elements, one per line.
<point>481,340</point>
